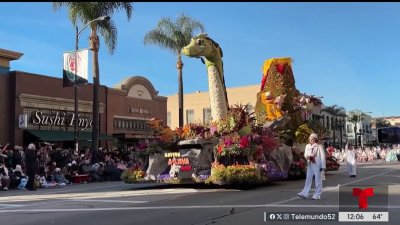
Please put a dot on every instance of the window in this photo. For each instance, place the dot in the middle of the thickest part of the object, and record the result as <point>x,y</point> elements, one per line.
<point>350,128</point>
<point>341,123</point>
<point>169,119</point>
<point>206,116</point>
<point>316,118</point>
<point>123,124</point>
<point>189,116</point>
<point>327,122</point>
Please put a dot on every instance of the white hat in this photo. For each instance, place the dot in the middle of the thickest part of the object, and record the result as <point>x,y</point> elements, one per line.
<point>313,136</point>
<point>31,146</point>
<point>58,169</point>
<point>18,168</point>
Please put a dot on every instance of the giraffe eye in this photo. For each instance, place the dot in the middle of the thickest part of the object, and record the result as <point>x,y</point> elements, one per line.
<point>199,41</point>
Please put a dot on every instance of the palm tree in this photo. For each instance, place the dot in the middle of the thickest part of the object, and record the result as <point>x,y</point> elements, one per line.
<point>85,12</point>
<point>355,116</point>
<point>336,112</point>
<point>174,36</point>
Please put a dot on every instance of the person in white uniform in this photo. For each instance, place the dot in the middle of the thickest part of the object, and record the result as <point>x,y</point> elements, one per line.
<point>351,162</point>
<point>316,163</point>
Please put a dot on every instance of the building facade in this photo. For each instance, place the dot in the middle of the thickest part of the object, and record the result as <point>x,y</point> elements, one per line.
<point>393,120</point>
<point>360,131</point>
<point>130,105</point>
<point>37,108</point>
<point>335,127</point>
<point>197,105</point>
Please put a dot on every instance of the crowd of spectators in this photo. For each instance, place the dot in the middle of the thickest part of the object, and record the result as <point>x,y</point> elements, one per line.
<point>57,167</point>
<point>369,154</point>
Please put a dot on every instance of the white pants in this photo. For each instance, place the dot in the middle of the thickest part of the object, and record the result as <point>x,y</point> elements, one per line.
<point>351,168</point>
<point>313,170</point>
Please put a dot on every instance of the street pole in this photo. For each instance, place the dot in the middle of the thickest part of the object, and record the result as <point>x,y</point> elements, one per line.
<point>341,139</point>
<point>95,101</point>
<point>355,133</point>
<point>76,93</point>
<point>341,124</point>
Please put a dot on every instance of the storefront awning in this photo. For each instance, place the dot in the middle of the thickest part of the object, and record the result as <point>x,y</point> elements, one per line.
<point>57,135</point>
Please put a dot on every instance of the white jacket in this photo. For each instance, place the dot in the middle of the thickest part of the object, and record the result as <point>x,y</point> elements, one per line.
<point>350,156</point>
<point>320,158</point>
<point>5,171</point>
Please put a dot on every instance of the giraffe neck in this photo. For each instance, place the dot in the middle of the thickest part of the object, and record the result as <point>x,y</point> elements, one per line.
<point>218,64</point>
<point>218,102</point>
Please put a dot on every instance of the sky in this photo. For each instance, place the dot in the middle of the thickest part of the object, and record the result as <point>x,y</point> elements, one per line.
<point>346,52</point>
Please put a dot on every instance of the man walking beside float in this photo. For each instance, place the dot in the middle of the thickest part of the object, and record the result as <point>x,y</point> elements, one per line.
<point>315,155</point>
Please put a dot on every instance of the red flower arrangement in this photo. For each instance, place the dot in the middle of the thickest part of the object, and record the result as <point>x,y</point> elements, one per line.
<point>255,143</point>
<point>244,142</point>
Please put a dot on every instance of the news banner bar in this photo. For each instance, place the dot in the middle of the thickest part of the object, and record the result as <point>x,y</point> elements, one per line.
<point>327,216</point>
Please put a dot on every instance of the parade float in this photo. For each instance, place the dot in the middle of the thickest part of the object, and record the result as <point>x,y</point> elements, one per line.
<point>237,147</point>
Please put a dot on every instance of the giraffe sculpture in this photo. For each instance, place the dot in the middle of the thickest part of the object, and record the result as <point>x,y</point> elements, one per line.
<point>203,46</point>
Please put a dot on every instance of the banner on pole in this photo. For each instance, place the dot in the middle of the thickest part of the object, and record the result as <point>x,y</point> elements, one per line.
<point>81,67</point>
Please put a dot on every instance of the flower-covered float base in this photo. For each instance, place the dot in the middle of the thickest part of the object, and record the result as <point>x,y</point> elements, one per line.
<point>133,175</point>
<point>234,143</point>
<point>236,175</point>
<point>298,168</point>
<point>166,178</point>
<point>191,163</point>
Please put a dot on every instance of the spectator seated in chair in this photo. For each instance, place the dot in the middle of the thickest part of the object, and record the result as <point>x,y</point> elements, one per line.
<point>363,156</point>
<point>18,179</point>
<point>4,178</point>
<point>59,177</point>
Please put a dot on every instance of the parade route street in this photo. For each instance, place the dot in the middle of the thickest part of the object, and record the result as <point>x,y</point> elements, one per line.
<point>119,203</point>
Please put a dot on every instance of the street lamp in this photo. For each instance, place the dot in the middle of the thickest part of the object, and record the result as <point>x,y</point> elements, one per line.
<point>359,118</point>
<point>101,18</point>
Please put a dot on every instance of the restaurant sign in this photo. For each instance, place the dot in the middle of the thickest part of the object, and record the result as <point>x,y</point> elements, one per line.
<point>60,119</point>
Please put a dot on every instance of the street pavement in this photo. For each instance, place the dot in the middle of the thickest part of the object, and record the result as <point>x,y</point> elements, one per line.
<point>147,204</point>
